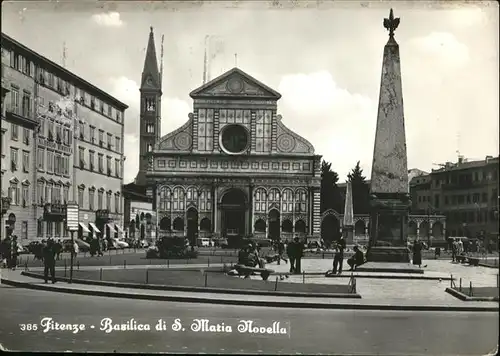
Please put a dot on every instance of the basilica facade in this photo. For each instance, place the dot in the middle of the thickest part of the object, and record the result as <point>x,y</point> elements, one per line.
<point>233,169</point>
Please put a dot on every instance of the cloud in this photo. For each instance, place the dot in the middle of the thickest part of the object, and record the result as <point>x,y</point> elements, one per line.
<point>339,123</point>
<point>444,48</point>
<point>174,113</point>
<point>108,19</point>
<point>466,16</point>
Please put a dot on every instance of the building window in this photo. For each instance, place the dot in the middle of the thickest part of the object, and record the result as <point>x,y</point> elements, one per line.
<point>82,130</point>
<point>65,194</point>
<point>91,199</point>
<point>39,193</point>
<point>26,161</point>
<point>178,201</point>
<point>50,79</point>
<point>15,107</point>
<point>56,194</point>
<point>92,134</point>
<point>101,138</point>
<point>108,165</point>
<point>150,104</point>
<point>14,132</point>
<point>117,167</point>
<point>26,111</point>
<point>150,128</point>
<point>161,163</point>
<point>50,161</point>
<point>108,201</point>
<point>117,203</point>
<point>26,136</point>
<point>81,157</point>
<point>118,144</point>
<point>118,116</point>
<point>26,196</point>
<point>100,162</point>
<point>300,201</point>
<point>41,126</point>
<point>110,111</point>
<point>99,199</point>
<point>14,193</point>
<point>260,200</point>
<point>149,147</point>
<point>287,201</point>
<point>484,197</point>
<point>49,225</point>
<point>13,159</point>
<point>91,160</point>
<point>110,141</point>
<point>57,226</point>
<point>80,197</point>
<point>50,135</point>
<point>39,228</point>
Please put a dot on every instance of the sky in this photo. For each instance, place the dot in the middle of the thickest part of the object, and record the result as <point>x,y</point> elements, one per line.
<point>324,57</point>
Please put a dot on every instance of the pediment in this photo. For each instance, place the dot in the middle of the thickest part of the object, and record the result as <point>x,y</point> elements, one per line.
<point>289,142</point>
<point>178,140</point>
<point>235,84</point>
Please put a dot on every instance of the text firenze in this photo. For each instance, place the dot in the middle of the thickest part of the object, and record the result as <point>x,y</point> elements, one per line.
<point>107,325</point>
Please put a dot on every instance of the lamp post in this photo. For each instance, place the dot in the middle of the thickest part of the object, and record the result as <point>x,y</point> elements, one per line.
<point>72,225</point>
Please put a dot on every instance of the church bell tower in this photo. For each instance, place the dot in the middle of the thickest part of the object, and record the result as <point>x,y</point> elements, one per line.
<point>150,114</point>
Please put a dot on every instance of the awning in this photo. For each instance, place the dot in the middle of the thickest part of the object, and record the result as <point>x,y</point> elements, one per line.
<point>84,227</point>
<point>111,228</point>
<point>92,225</point>
<point>119,229</point>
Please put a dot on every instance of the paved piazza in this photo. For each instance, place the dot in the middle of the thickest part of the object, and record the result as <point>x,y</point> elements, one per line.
<point>406,289</point>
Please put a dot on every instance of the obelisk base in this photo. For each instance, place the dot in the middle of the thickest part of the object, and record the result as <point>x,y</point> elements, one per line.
<point>388,254</point>
<point>348,233</point>
<point>388,229</point>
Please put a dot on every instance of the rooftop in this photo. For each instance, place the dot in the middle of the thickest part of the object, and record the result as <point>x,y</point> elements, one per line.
<point>463,164</point>
<point>9,42</point>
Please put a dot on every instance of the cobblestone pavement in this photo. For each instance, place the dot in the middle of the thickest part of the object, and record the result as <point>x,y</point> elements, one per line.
<point>397,289</point>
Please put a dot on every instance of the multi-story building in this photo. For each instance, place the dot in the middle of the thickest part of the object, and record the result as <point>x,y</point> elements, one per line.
<point>467,193</point>
<point>63,107</point>
<point>139,216</point>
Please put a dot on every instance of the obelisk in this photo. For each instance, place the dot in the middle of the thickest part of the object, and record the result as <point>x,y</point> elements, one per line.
<point>348,223</point>
<point>389,189</point>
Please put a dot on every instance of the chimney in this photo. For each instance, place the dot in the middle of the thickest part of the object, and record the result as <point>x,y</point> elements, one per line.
<point>460,159</point>
<point>487,159</point>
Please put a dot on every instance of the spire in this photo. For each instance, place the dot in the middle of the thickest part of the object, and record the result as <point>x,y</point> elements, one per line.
<point>348,210</point>
<point>151,63</point>
<point>390,166</point>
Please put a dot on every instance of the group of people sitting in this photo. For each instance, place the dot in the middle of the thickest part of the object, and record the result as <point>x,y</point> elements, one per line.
<point>338,260</point>
<point>249,256</point>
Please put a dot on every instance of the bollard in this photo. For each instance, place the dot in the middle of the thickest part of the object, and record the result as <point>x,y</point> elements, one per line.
<point>276,285</point>
<point>147,276</point>
<point>168,263</point>
<point>26,266</point>
<point>323,255</point>
<point>78,265</point>
<point>460,287</point>
<point>206,277</point>
<point>470,289</point>
<point>451,281</point>
<point>124,264</point>
<point>100,274</point>
<point>208,261</point>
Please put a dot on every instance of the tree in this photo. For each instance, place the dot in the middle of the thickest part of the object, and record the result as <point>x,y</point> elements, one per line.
<point>330,193</point>
<point>360,190</point>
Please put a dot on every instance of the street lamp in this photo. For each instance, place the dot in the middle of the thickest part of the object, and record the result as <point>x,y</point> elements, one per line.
<point>72,225</point>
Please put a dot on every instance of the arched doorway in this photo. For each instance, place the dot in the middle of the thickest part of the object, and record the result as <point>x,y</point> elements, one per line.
<point>166,224</point>
<point>233,208</point>
<point>287,226</point>
<point>437,230</point>
<point>274,224</point>
<point>192,225</point>
<point>260,226</point>
<point>423,232</point>
<point>330,228</point>
<point>205,225</point>
<point>300,227</point>
<point>359,228</point>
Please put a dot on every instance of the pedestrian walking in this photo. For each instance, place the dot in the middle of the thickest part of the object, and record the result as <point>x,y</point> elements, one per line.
<point>49,262</point>
<point>454,250</point>
<point>299,253</point>
<point>281,250</point>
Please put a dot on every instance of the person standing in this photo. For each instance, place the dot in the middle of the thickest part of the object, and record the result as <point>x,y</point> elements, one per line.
<point>14,252</point>
<point>281,251</point>
<point>299,253</point>
<point>417,252</point>
<point>291,252</point>
<point>49,261</point>
<point>338,259</point>
<point>454,250</point>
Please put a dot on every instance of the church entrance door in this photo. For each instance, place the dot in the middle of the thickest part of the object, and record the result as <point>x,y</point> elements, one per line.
<point>274,224</point>
<point>233,209</point>
<point>192,225</point>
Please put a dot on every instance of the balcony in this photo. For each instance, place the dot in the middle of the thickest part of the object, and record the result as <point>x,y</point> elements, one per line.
<point>55,212</point>
<point>17,115</point>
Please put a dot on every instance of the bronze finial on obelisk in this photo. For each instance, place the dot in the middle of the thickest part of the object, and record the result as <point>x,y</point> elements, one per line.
<point>391,24</point>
